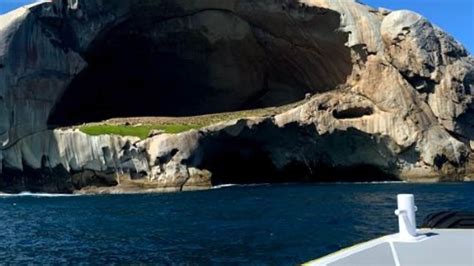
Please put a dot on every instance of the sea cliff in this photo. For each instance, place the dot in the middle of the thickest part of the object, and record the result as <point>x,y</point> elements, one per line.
<point>387,95</point>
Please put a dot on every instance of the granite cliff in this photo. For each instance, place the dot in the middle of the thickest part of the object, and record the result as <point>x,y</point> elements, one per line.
<point>391,94</point>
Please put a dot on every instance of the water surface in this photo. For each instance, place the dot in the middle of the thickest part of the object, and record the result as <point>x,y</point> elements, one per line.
<point>266,224</point>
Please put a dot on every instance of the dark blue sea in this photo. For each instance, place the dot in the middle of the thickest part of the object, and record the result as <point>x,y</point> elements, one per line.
<point>252,225</point>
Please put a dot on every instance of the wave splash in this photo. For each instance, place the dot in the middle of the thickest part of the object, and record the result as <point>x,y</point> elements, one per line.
<point>241,185</point>
<point>37,195</point>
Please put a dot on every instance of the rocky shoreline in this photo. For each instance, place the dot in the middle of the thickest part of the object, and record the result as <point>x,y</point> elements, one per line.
<point>389,95</point>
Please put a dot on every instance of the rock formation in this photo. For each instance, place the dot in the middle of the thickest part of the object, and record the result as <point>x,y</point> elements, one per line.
<point>392,93</point>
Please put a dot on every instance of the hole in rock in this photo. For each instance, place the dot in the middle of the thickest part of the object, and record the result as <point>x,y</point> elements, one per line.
<point>421,84</point>
<point>354,112</point>
<point>207,62</point>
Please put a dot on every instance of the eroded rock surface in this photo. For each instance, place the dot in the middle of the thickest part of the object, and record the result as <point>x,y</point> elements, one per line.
<point>392,94</point>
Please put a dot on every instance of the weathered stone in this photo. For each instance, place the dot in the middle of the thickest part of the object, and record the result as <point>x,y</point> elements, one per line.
<point>155,132</point>
<point>198,179</point>
<point>391,94</point>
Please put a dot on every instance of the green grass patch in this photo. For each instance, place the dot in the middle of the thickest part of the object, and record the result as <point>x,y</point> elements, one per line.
<point>141,126</point>
<point>141,131</point>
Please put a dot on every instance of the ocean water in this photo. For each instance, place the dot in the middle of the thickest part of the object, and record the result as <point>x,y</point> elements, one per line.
<point>252,225</point>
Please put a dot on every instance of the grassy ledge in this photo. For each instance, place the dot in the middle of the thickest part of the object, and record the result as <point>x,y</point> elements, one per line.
<point>141,126</point>
<point>141,131</point>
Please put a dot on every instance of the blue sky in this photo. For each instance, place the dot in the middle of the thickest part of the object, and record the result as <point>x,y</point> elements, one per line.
<point>454,16</point>
<point>7,5</point>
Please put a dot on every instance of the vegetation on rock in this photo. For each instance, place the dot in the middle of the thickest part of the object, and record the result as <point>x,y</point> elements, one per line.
<point>142,126</point>
<point>141,131</point>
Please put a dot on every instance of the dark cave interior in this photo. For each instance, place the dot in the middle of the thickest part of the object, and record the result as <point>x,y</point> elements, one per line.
<point>129,77</point>
<point>155,68</point>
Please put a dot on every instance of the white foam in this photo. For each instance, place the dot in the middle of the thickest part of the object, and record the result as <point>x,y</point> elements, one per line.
<point>241,185</point>
<point>319,183</point>
<point>224,186</point>
<point>360,183</point>
<point>39,195</point>
<point>381,182</point>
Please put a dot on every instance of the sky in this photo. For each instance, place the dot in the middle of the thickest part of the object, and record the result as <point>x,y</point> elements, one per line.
<point>454,16</point>
<point>8,5</point>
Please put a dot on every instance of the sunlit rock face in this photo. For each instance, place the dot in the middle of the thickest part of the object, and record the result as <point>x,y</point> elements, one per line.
<point>392,93</point>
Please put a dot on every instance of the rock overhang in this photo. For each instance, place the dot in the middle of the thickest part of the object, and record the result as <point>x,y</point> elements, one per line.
<point>233,53</point>
<point>418,112</point>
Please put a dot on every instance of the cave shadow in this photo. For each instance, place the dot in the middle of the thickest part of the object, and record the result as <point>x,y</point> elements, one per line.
<point>137,68</point>
<point>127,77</point>
<point>303,154</point>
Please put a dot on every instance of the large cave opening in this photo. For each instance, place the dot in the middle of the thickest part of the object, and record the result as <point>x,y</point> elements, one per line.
<point>206,62</point>
<point>267,153</point>
<point>130,78</point>
<point>131,75</point>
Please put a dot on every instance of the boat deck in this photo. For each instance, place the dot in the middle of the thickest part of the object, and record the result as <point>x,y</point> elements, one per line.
<point>434,247</point>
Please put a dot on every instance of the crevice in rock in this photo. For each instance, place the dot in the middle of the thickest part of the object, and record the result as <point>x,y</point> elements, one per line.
<point>362,52</point>
<point>166,158</point>
<point>353,112</point>
<point>458,136</point>
<point>464,126</point>
<point>468,83</point>
<point>440,160</point>
<point>421,84</point>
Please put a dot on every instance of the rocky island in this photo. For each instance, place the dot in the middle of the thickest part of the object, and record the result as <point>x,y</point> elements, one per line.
<point>361,94</point>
